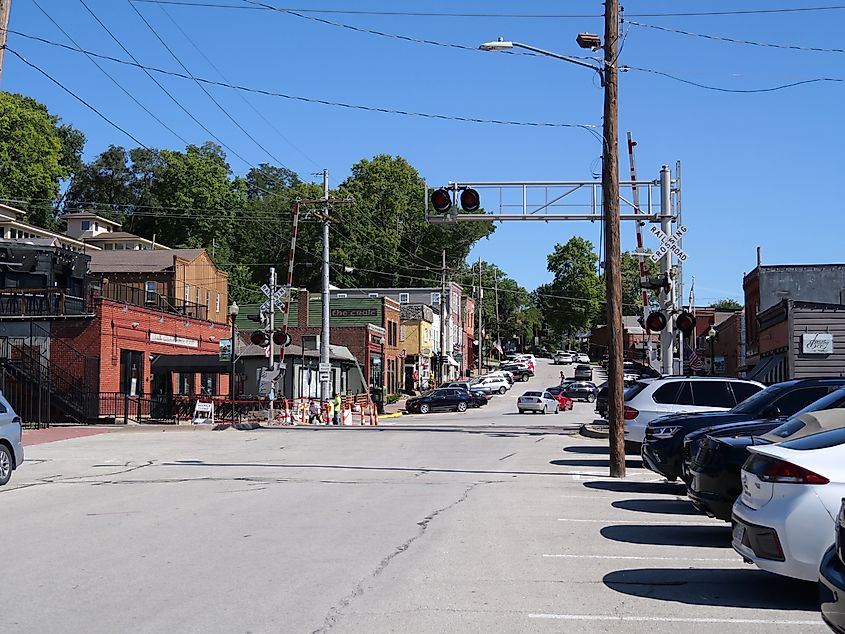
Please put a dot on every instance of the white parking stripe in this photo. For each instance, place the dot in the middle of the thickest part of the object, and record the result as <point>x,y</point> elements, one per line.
<point>670,619</point>
<point>673,523</point>
<point>734,560</point>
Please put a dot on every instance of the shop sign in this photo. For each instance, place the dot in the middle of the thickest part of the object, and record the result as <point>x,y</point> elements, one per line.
<point>173,340</point>
<point>817,343</point>
<point>354,312</point>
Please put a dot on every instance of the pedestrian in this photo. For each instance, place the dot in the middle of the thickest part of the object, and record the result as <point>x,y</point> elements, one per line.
<point>562,376</point>
<point>329,411</point>
<point>314,413</point>
<point>338,404</point>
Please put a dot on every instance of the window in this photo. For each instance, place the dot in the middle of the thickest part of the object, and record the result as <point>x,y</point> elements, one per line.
<point>198,296</point>
<point>86,225</point>
<point>187,293</point>
<point>108,246</point>
<point>435,298</point>
<point>131,372</point>
<point>208,383</point>
<point>186,384</point>
<point>712,394</point>
<point>792,401</point>
<point>403,333</point>
<point>208,300</point>
<point>341,296</point>
<point>96,226</point>
<point>217,302</point>
<point>666,393</point>
<point>150,288</point>
<point>404,298</point>
<point>372,294</point>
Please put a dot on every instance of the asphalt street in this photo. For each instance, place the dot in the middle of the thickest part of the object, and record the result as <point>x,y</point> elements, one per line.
<point>485,522</point>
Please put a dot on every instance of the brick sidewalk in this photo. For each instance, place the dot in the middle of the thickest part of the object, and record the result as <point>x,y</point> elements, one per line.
<point>53,434</point>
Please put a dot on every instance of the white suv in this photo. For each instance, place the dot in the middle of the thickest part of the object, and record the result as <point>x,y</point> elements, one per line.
<point>496,383</point>
<point>648,399</point>
<point>11,448</point>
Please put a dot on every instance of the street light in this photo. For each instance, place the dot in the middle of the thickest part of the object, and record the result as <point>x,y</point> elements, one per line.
<point>233,314</point>
<point>711,337</point>
<point>608,73</point>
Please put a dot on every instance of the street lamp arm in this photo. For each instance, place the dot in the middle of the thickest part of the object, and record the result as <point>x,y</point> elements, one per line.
<point>565,58</point>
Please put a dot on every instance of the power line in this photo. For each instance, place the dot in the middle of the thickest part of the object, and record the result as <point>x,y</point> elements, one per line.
<point>243,98</point>
<point>324,102</point>
<point>722,38</point>
<point>504,15</point>
<point>736,90</point>
<point>74,95</point>
<point>107,74</point>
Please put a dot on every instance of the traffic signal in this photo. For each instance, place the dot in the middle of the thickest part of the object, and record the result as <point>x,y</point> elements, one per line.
<point>470,200</point>
<point>655,322</point>
<point>441,200</point>
<point>685,322</point>
<point>259,338</point>
<point>655,282</point>
<point>282,339</point>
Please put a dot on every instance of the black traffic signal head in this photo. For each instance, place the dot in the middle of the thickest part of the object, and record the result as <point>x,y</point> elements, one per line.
<point>685,322</point>
<point>281,339</point>
<point>441,200</point>
<point>470,200</point>
<point>655,322</point>
<point>259,338</point>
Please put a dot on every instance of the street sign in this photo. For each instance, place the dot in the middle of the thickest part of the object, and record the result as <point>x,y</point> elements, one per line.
<point>278,296</point>
<point>324,372</point>
<point>669,244</point>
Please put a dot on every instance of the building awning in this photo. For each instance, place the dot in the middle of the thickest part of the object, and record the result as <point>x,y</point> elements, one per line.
<point>765,368</point>
<point>451,361</point>
<point>188,363</point>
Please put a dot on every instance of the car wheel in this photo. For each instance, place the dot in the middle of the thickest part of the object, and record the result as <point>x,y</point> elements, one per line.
<point>522,411</point>
<point>5,464</point>
<point>544,410</point>
<point>462,407</point>
<point>424,408</point>
<point>557,410</point>
<point>502,390</point>
<point>591,398</point>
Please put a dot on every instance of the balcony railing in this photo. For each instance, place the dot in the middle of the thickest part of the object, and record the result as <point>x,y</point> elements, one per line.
<point>141,297</point>
<point>40,302</point>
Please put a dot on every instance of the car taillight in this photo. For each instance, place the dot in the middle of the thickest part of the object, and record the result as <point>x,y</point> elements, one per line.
<point>631,413</point>
<point>776,470</point>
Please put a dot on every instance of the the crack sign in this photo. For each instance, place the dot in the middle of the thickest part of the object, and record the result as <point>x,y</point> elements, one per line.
<point>669,244</point>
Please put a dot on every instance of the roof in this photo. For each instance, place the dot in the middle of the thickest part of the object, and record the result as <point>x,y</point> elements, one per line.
<point>336,353</point>
<point>11,210</point>
<point>87,215</point>
<point>140,261</point>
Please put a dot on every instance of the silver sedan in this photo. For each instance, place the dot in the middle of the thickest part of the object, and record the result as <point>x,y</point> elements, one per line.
<point>537,402</point>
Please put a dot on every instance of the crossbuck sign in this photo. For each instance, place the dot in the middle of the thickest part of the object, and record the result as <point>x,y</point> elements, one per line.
<point>278,296</point>
<point>669,244</point>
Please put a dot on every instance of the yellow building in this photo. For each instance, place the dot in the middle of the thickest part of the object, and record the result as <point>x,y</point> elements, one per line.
<point>417,342</point>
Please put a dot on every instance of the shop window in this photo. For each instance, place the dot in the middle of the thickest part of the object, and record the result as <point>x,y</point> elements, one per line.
<point>151,293</point>
<point>208,383</point>
<point>131,372</point>
<point>185,384</point>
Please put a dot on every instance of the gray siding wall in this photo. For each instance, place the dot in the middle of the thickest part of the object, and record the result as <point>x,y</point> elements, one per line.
<point>830,320</point>
<point>824,284</point>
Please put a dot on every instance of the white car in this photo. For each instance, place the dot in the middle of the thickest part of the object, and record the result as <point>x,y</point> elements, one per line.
<point>648,399</point>
<point>495,383</point>
<point>563,358</point>
<point>11,447</point>
<point>791,493</point>
<point>537,402</point>
<point>582,358</point>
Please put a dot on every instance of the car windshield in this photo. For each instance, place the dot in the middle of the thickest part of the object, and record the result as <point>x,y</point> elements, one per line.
<point>758,401</point>
<point>532,394</point>
<point>823,440</point>
<point>636,388</point>
<point>834,399</point>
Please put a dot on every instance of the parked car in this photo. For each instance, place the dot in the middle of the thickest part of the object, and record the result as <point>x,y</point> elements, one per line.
<point>476,388</point>
<point>441,399</point>
<point>563,400</point>
<point>582,358</point>
<point>537,402</point>
<point>782,521</point>
<point>520,371</point>
<point>11,447</point>
<point>716,469</point>
<point>832,578</point>
<point>563,358</point>
<point>497,384</point>
<point>583,373</point>
<point>585,390</point>
<point>605,361</point>
<point>666,439</point>
<point>649,399</point>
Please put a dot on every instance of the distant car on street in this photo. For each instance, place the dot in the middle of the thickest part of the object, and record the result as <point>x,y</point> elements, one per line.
<point>582,358</point>
<point>585,390</point>
<point>11,447</point>
<point>583,373</point>
<point>442,399</point>
<point>497,384</point>
<point>520,371</point>
<point>562,358</point>
<point>537,402</point>
<point>563,400</point>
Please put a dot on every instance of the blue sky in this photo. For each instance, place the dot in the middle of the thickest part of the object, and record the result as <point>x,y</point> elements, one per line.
<point>758,169</point>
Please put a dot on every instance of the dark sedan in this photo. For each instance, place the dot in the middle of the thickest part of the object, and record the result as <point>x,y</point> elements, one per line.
<point>443,399</point>
<point>832,579</point>
<point>583,373</point>
<point>663,447</point>
<point>580,390</point>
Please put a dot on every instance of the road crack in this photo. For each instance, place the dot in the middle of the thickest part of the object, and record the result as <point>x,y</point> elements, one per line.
<point>335,611</point>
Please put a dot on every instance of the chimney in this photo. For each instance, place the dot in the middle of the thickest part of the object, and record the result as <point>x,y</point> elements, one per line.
<point>759,257</point>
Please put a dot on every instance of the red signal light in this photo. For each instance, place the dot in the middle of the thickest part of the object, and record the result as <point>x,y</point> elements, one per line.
<point>441,200</point>
<point>655,322</point>
<point>259,338</point>
<point>685,323</point>
<point>470,200</point>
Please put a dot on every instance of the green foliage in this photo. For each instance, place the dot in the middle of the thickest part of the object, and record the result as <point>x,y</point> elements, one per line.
<point>727,304</point>
<point>632,299</point>
<point>571,302</point>
<point>37,153</point>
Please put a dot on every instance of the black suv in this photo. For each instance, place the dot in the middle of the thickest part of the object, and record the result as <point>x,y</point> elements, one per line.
<point>663,447</point>
<point>446,398</point>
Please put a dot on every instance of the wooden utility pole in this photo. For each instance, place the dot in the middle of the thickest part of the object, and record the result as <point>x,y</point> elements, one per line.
<point>441,378</point>
<point>5,8</point>
<point>612,256</point>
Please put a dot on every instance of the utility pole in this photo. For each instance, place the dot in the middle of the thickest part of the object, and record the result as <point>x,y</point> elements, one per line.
<point>667,335</point>
<point>5,8</point>
<point>325,386</point>
<point>443,319</point>
<point>480,324</point>
<point>498,329</point>
<point>612,249</point>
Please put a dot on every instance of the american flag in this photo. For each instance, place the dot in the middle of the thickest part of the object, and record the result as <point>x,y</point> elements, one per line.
<point>696,361</point>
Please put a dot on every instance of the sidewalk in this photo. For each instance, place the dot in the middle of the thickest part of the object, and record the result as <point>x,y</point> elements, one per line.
<point>394,410</point>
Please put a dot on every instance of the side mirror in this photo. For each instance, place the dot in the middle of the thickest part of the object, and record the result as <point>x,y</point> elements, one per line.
<point>772,411</point>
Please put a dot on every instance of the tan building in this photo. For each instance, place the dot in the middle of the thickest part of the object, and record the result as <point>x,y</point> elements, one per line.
<point>181,280</point>
<point>105,234</point>
<point>416,341</point>
<point>14,227</point>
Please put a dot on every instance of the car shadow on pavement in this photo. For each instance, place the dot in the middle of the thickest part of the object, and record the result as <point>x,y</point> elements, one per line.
<point>670,507</point>
<point>621,486</point>
<point>595,450</point>
<point>749,588</point>
<point>630,463</point>
<point>715,536</point>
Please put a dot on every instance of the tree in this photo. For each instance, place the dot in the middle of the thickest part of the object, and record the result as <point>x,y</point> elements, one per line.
<point>571,302</point>
<point>727,304</point>
<point>37,152</point>
<point>632,298</point>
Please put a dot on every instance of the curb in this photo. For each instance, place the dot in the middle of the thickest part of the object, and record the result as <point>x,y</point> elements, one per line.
<point>593,431</point>
<point>394,415</point>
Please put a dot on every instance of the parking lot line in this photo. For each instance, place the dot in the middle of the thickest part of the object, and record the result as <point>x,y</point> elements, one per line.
<point>671,619</point>
<point>734,560</point>
<point>644,522</point>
